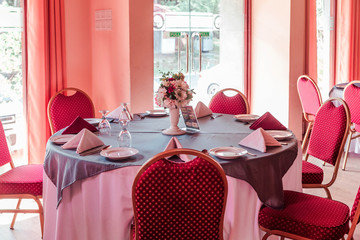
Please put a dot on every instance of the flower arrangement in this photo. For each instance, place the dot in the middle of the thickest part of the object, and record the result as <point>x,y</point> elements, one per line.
<point>173,92</point>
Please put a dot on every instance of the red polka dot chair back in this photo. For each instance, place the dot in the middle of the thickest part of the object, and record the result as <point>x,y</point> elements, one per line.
<point>4,150</point>
<point>237,104</point>
<point>329,132</point>
<point>310,99</point>
<point>309,95</point>
<point>352,98</point>
<point>186,200</point>
<point>63,109</point>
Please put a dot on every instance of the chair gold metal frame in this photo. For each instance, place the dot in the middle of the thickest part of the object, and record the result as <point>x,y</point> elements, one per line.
<point>284,235</point>
<point>170,153</point>
<point>326,186</point>
<point>309,118</point>
<point>6,159</point>
<point>351,132</point>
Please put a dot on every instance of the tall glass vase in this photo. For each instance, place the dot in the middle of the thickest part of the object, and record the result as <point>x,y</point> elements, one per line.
<point>174,120</point>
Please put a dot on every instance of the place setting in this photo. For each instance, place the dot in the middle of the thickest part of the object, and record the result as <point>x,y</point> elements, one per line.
<point>246,118</point>
<point>228,153</point>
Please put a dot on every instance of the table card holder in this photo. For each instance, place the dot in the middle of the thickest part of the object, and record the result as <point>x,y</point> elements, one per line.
<point>190,119</point>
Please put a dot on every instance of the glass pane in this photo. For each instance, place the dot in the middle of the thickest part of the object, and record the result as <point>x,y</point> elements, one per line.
<point>222,60</point>
<point>219,64</point>
<point>11,90</point>
<point>325,35</point>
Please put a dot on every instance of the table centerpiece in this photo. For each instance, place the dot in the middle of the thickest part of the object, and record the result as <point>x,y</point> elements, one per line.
<point>173,93</point>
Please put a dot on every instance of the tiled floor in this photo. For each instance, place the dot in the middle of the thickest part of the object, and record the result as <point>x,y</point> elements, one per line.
<point>27,226</point>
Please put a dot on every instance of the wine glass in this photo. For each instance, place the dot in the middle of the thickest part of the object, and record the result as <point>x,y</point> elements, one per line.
<point>104,125</point>
<point>124,138</point>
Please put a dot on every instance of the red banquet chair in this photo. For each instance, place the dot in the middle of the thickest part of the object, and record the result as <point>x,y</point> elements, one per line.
<point>186,200</point>
<point>311,101</point>
<point>237,104</point>
<point>62,109</point>
<point>310,217</point>
<point>327,141</point>
<point>352,98</point>
<point>23,182</point>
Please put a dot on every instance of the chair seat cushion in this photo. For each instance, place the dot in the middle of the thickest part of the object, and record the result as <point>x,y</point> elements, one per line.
<point>27,179</point>
<point>311,174</point>
<point>307,216</point>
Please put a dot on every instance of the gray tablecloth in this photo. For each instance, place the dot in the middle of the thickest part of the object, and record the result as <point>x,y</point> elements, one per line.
<point>263,172</point>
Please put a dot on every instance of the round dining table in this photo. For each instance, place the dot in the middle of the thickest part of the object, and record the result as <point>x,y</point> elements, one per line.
<point>89,197</point>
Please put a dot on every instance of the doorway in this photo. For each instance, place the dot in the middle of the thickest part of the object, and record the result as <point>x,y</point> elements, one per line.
<point>204,39</point>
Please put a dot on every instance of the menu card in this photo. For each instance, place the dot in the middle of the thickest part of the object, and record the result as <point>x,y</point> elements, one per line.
<point>190,119</point>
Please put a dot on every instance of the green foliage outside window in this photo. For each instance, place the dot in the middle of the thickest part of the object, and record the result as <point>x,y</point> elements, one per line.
<point>10,60</point>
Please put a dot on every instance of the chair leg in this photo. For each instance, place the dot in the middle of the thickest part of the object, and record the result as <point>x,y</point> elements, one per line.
<point>347,151</point>
<point>306,137</point>
<point>266,236</point>
<point>15,214</point>
<point>41,215</point>
<point>327,193</point>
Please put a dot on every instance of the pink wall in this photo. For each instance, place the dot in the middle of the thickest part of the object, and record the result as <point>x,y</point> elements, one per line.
<point>278,47</point>
<point>141,55</point>
<point>110,56</point>
<point>297,63</point>
<point>111,66</point>
<point>78,44</point>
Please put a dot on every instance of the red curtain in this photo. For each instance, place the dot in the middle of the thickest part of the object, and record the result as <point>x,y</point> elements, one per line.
<point>311,41</point>
<point>347,41</point>
<point>45,68</point>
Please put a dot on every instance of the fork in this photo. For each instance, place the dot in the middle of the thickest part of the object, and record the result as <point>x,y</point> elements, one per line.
<point>215,116</point>
<point>94,150</point>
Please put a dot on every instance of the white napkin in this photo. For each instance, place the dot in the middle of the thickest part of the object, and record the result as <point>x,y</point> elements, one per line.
<point>116,113</point>
<point>174,143</point>
<point>258,140</point>
<point>201,110</point>
<point>83,141</point>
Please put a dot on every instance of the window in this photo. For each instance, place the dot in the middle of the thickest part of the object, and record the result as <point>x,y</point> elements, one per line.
<point>11,86</point>
<point>215,62</point>
<point>325,45</point>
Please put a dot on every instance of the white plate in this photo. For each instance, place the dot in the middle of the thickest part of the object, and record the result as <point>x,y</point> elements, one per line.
<point>156,113</point>
<point>227,152</point>
<point>61,139</point>
<point>119,153</point>
<point>93,121</point>
<point>279,134</point>
<point>246,117</point>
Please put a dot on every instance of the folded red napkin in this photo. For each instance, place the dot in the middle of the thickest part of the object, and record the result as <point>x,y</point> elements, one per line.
<point>77,125</point>
<point>267,122</point>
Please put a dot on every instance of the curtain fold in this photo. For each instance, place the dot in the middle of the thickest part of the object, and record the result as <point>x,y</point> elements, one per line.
<point>45,68</point>
<point>347,41</point>
<point>311,40</point>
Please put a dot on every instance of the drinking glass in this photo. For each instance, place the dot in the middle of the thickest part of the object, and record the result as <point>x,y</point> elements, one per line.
<point>124,138</point>
<point>104,125</point>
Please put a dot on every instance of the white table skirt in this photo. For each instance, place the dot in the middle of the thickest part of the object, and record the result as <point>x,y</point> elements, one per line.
<point>100,207</point>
